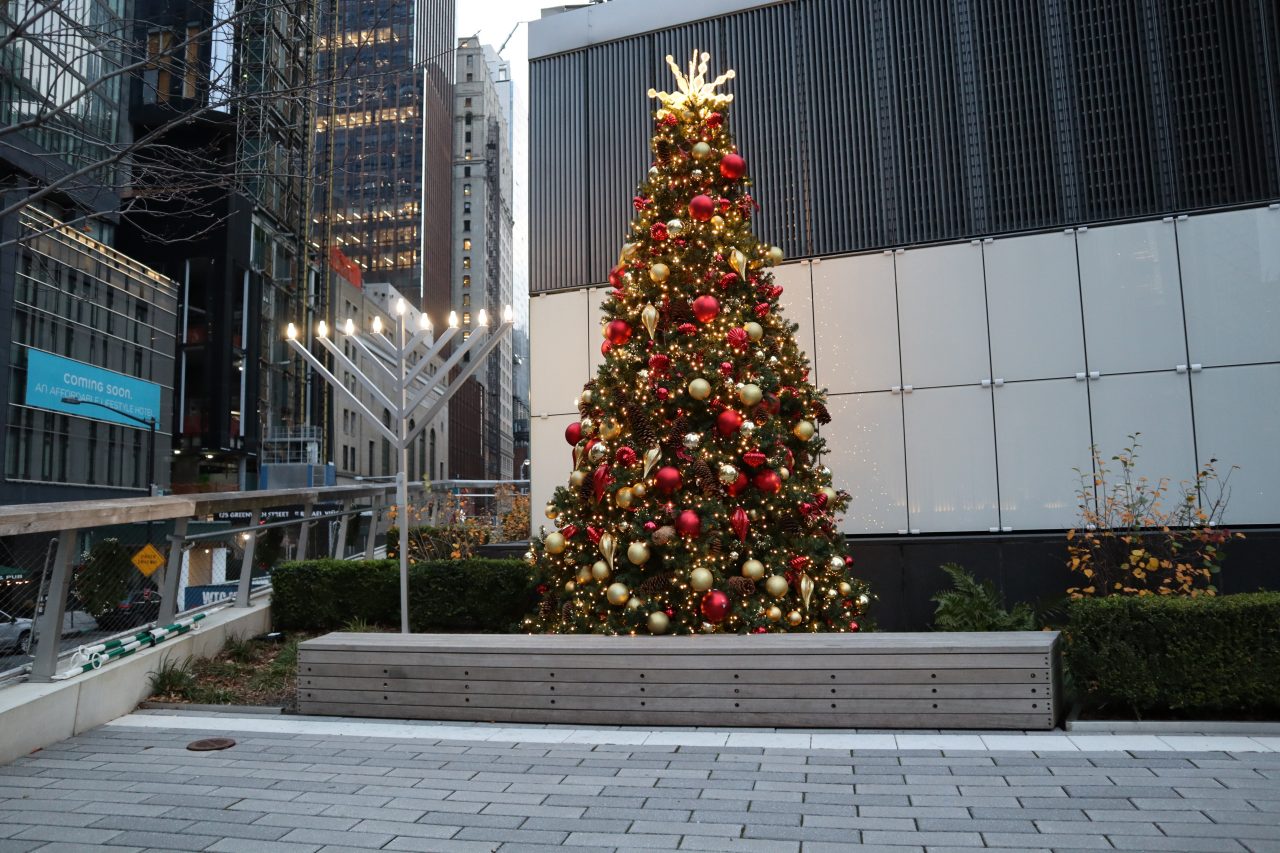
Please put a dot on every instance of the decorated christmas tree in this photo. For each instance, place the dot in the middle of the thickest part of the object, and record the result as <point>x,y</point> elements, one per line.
<point>697,501</point>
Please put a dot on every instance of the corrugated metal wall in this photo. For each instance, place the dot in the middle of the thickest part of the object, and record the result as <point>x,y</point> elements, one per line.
<point>895,122</point>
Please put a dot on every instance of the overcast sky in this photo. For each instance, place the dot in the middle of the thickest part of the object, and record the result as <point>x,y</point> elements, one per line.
<point>493,21</point>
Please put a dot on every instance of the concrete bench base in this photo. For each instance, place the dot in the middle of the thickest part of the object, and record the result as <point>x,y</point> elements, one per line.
<point>931,681</point>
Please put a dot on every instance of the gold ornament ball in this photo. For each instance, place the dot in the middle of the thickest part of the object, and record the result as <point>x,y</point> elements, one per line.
<point>576,479</point>
<point>727,473</point>
<point>699,389</point>
<point>658,622</point>
<point>830,493</point>
<point>587,397</point>
<point>753,569</point>
<point>659,272</point>
<point>864,599</point>
<point>774,613</point>
<point>774,256</point>
<point>552,512</point>
<point>624,497</point>
<point>638,553</point>
<point>845,589</point>
<point>530,557</point>
<point>750,394</point>
<point>832,593</point>
<point>600,570</point>
<point>836,563</point>
<point>569,586</point>
<point>554,542</point>
<point>794,618</point>
<point>588,426</point>
<point>701,579</point>
<point>784,472</point>
<point>634,603</point>
<point>675,226</point>
<point>803,430</point>
<point>776,586</point>
<point>717,221</point>
<point>597,452</point>
<point>617,593</point>
<point>584,575</point>
<point>701,151</point>
<point>748,428</point>
<point>754,331</point>
<point>638,491</point>
<point>610,429</point>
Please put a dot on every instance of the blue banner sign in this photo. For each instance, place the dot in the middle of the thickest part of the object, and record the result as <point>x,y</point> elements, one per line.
<point>51,378</point>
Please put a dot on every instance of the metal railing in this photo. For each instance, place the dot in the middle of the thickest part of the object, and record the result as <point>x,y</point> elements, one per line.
<point>61,573</point>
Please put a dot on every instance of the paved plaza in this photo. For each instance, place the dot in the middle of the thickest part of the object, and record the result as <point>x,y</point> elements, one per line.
<point>307,784</point>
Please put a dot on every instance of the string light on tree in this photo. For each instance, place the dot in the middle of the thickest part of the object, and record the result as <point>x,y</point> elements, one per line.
<point>696,451</point>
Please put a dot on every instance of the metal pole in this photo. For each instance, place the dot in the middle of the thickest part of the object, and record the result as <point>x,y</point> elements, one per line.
<point>172,573</point>
<point>402,482</point>
<point>373,529</point>
<point>49,621</point>
<point>151,471</point>
<point>340,545</point>
<point>304,531</point>
<point>246,565</point>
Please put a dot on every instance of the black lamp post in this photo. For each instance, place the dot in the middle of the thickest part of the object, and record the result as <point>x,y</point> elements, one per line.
<point>149,423</point>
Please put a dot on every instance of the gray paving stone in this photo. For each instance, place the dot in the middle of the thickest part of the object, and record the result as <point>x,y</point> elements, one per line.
<point>434,845</point>
<point>1025,841</point>
<point>518,836</point>
<point>1181,844</point>
<point>608,840</point>
<point>78,834</point>
<point>747,845</point>
<point>238,830</point>
<point>401,829</point>
<point>144,824</point>
<point>372,840</point>
<point>248,845</point>
<point>165,840</point>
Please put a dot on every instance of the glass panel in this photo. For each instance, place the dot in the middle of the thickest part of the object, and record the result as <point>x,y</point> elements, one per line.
<point>1033,304</point>
<point>943,316</point>
<point>856,316</point>
<point>951,459</point>
<point>865,455</point>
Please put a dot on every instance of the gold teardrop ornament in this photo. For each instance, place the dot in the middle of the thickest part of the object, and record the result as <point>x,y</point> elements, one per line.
<point>651,457</point>
<point>806,590</point>
<point>738,261</point>
<point>649,317</point>
<point>608,546</point>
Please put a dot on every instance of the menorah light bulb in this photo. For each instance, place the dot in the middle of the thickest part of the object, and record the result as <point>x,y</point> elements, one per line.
<point>292,332</point>
<point>350,328</point>
<point>322,329</point>
<point>400,306</point>
<point>482,319</point>
<point>506,314</point>
<point>453,319</point>
<point>377,325</point>
<point>424,322</point>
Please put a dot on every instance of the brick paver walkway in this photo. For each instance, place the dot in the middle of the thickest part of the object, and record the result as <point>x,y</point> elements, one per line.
<point>140,788</point>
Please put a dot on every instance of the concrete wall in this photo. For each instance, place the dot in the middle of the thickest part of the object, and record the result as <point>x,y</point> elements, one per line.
<point>35,715</point>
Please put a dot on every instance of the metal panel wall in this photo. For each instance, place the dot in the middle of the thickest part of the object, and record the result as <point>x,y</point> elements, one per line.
<point>885,123</point>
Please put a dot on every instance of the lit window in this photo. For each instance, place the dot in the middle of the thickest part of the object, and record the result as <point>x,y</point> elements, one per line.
<point>466,244</point>
<point>466,189</point>
<point>466,281</point>
<point>466,263</point>
<point>466,300</point>
<point>466,318</point>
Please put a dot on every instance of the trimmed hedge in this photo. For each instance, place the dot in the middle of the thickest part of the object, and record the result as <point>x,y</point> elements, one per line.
<point>1185,656</point>
<point>446,595</point>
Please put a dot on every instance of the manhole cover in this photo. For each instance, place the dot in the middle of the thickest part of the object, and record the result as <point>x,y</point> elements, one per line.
<point>211,743</point>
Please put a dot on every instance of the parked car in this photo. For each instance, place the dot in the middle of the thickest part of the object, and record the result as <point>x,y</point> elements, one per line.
<point>139,608</point>
<point>15,634</point>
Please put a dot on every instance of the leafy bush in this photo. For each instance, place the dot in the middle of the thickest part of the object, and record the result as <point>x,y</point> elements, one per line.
<point>105,578</point>
<point>973,606</point>
<point>448,595</point>
<point>426,543</point>
<point>1130,543</point>
<point>1186,656</point>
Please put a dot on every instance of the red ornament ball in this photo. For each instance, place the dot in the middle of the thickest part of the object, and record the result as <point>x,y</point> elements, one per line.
<point>768,481</point>
<point>705,308</point>
<point>733,166</point>
<point>701,207</point>
<point>738,485</point>
<point>688,524</point>
<point>737,338</point>
<point>715,606</point>
<point>853,626</point>
<point>728,422</point>
<point>661,393</point>
<point>605,346</point>
<point>668,479</point>
<point>573,433</point>
<point>618,332</point>
<point>615,275</point>
<point>659,364</point>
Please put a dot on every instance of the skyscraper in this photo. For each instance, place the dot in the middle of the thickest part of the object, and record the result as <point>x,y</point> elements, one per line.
<point>482,264</point>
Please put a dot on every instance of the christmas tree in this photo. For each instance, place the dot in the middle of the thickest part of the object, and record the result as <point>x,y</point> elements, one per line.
<point>697,502</point>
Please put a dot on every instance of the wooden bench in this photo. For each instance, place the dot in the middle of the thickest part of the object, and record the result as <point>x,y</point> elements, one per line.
<point>932,681</point>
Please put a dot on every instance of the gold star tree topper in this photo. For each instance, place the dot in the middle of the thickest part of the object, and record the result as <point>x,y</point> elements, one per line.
<point>693,91</point>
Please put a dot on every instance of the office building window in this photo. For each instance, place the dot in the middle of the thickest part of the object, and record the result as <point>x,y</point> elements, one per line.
<point>466,244</point>
<point>466,262</point>
<point>466,281</point>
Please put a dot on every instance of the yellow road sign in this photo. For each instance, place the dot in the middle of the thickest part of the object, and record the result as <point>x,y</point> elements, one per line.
<point>148,559</point>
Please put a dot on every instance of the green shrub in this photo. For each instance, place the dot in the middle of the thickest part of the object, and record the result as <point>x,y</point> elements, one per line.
<point>973,606</point>
<point>446,595</point>
<point>1177,655</point>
